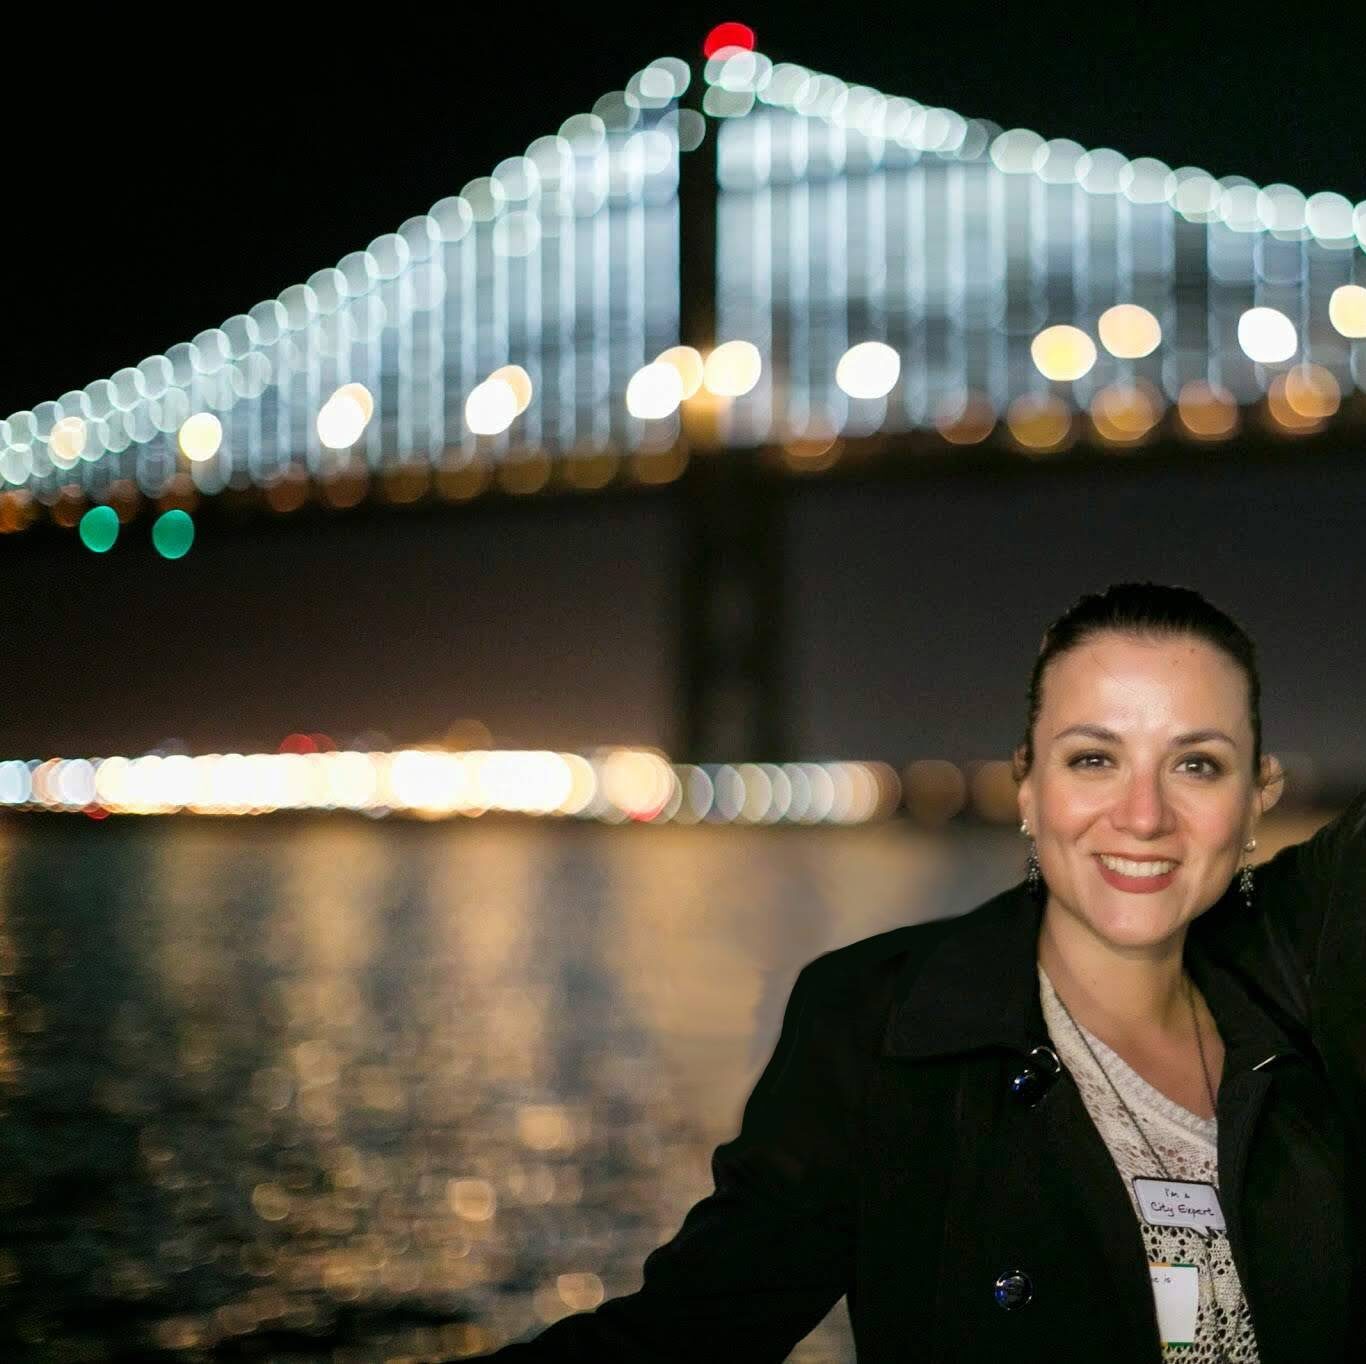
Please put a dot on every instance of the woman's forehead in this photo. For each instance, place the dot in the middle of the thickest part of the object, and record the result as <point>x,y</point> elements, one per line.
<point>1180,680</point>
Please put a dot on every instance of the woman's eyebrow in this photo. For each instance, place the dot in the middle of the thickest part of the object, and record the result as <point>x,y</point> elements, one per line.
<point>1194,736</point>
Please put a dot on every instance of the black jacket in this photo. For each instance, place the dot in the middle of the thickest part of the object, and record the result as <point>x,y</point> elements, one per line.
<point>885,1154</point>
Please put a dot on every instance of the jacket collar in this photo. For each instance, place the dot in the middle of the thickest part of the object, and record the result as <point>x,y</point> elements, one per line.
<point>977,987</point>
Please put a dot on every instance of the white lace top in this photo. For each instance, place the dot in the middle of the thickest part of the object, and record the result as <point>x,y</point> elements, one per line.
<point>1187,1146</point>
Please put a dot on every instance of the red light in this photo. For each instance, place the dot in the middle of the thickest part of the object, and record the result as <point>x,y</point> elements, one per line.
<point>97,812</point>
<point>298,743</point>
<point>728,35</point>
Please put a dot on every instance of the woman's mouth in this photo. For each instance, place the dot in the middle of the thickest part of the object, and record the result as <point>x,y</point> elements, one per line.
<point>1125,873</point>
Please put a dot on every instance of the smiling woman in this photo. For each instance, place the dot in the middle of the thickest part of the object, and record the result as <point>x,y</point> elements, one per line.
<point>1088,1119</point>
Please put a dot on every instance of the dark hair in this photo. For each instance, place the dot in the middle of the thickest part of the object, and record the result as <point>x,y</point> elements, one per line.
<point>1144,609</point>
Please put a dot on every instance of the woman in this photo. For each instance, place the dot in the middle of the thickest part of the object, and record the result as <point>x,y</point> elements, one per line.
<point>1113,1114</point>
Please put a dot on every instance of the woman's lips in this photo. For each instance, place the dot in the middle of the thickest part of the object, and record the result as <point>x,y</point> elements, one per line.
<point>1140,885</point>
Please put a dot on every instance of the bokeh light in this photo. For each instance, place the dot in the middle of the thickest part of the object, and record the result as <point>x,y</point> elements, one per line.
<point>519,381</point>
<point>688,362</point>
<point>99,528</point>
<point>1208,411</point>
<point>965,418</point>
<point>200,436</point>
<point>868,370</point>
<point>173,534</point>
<point>1040,422</point>
<point>67,441</point>
<point>344,416</point>
<point>1124,413</point>
<point>491,407</point>
<point>732,369</point>
<point>1063,352</point>
<point>1128,331</point>
<point>1347,309</point>
<point>1312,391</point>
<point>1267,336</point>
<point>728,35</point>
<point>654,391</point>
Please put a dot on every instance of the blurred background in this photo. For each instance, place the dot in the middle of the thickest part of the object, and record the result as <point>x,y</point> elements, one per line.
<point>518,537</point>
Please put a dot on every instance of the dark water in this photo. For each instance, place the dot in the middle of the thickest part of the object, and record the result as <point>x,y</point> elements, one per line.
<point>331,1089</point>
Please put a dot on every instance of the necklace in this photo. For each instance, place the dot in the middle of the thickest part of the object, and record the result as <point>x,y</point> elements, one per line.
<point>1221,1340</point>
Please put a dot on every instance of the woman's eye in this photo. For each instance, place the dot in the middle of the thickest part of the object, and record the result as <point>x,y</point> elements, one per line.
<point>1203,766</point>
<point>1088,760</point>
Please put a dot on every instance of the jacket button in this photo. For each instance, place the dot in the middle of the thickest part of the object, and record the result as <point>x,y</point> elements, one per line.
<point>1036,1078</point>
<point>1012,1289</point>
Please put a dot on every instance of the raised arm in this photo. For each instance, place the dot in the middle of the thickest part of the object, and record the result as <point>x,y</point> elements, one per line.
<point>1305,939</point>
<point>758,1262</point>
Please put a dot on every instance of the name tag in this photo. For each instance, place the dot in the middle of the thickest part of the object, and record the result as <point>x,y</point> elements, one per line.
<point>1170,1203</point>
<point>1176,1291</point>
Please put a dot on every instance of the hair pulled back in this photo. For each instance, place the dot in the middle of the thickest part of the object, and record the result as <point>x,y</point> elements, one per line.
<point>1144,609</point>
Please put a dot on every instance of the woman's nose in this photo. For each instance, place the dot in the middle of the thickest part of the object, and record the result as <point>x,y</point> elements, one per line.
<point>1142,809</point>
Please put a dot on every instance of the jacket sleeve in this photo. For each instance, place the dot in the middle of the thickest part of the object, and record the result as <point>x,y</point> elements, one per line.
<point>1310,922</point>
<point>760,1260</point>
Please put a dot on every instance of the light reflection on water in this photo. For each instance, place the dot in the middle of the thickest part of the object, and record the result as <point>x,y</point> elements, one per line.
<point>321,1088</point>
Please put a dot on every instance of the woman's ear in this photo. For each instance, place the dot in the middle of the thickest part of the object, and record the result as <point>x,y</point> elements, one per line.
<point>1024,796</point>
<point>1271,785</point>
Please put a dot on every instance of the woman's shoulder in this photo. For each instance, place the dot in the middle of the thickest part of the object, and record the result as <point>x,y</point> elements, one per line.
<point>868,974</point>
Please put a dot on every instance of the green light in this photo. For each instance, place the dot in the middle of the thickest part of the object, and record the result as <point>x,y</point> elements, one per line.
<point>99,529</point>
<point>173,534</point>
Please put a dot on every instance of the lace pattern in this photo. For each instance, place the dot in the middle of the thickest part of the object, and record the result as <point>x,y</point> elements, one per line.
<point>1188,1147</point>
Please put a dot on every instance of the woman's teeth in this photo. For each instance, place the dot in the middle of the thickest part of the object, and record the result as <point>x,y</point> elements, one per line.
<point>1127,868</point>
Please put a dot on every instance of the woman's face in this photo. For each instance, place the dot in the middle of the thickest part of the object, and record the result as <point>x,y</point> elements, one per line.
<point>1141,795</point>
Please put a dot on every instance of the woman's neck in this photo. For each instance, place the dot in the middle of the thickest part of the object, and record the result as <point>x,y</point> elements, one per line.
<point>1116,993</point>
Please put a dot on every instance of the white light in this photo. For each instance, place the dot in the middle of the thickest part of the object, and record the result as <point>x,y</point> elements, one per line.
<point>491,407</point>
<point>654,391</point>
<point>732,369</point>
<point>67,441</point>
<point>341,421</point>
<point>1267,336</point>
<point>868,370</point>
<point>201,436</point>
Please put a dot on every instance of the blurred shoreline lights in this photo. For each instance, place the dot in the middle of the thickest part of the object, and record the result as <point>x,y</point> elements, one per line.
<point>610,785</point>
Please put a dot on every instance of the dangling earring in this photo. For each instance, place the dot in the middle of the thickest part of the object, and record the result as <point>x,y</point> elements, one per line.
<point>1033,875</point>
<point>1245,876</point>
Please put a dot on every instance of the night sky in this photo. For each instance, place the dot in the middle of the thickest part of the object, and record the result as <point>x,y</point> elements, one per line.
<point>162,179</point>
